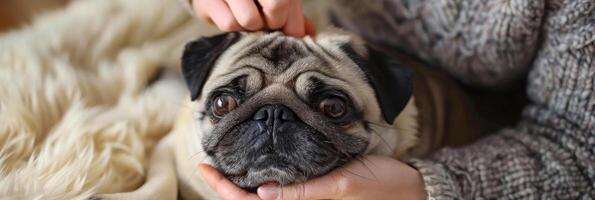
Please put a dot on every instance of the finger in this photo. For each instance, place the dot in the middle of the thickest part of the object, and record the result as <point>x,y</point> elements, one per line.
<point>225,188</point>
<point>221,15</point>
<point>246,14</point>
<point>206,18</point>
<point>295,20</point>
<point>325,187</point>
<point>309,27</point>
<point>199,9</point>
<point>275,12</point>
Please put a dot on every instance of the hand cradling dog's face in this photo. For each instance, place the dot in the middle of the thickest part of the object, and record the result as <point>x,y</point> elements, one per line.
<point>279,109</point>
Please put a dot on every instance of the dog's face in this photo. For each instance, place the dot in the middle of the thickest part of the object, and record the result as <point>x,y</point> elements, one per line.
<point>273,108</point>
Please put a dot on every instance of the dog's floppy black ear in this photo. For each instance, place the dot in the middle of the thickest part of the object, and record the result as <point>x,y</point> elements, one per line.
<point>199,57</point>
<point>392,82</point>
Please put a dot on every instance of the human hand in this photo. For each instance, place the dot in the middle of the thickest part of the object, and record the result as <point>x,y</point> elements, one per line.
<point>222,186</point>
<point>374,177</point>
<point>254,15</point>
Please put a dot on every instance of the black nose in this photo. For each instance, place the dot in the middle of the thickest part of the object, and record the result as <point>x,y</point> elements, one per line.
<point>271,114</point>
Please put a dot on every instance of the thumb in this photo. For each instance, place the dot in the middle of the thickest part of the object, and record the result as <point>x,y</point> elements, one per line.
<point>325,187</point>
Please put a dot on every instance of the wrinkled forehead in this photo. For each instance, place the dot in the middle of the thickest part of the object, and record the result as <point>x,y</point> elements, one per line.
<point>275,55</point>
<point>296,64</point>
<point>278,58</point>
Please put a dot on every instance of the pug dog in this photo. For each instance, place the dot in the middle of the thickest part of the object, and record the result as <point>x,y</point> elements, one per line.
<point>269,108</point>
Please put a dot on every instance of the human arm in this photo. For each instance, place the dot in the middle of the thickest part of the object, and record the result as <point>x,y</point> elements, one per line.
<point>549,154</point>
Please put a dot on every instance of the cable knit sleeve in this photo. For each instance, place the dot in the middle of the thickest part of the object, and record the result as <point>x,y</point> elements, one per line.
<point>483,43</point>
<point>550,153</point>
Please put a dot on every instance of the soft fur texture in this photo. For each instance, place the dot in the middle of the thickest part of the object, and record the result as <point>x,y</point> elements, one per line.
<point>77,115</point>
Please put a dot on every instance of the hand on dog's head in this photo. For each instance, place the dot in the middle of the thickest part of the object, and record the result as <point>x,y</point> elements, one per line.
<point>273,108</point>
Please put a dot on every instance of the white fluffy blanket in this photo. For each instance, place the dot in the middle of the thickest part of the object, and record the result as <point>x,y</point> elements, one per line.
<point>77,115</point>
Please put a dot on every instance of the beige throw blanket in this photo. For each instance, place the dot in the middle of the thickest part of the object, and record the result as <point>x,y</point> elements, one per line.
<point>77,115</point>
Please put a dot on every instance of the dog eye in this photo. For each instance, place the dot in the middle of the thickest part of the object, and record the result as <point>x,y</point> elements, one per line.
<point>333,107</point>
<point>223,104</point>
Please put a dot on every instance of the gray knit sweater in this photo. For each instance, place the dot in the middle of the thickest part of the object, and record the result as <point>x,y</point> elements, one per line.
<point>550,154</point>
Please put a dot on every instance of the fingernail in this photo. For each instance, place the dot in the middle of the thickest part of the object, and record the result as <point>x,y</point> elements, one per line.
<point>268,192</point>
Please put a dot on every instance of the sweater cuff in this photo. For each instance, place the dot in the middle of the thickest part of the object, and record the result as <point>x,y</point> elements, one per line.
<point>438,182</point>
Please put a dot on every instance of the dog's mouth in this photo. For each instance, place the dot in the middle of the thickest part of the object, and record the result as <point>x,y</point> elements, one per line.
<point>281,169</point>
<point>273,170</point>
<point>254,152</point>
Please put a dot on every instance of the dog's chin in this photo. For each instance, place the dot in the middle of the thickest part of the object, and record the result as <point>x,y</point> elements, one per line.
<point>275,173</point>
<point>254,178</point>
